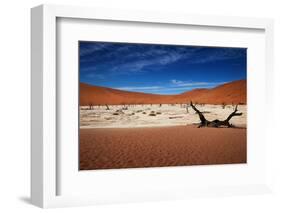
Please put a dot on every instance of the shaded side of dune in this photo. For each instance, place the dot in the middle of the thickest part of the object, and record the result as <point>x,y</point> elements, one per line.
<point>160,146</point>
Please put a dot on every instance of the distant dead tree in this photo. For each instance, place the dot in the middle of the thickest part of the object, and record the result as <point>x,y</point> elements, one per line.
<point>215,123</point>
<point>91,106</point>
<point>223,105</point>
<point>187,106</point>
<point>107,108</point>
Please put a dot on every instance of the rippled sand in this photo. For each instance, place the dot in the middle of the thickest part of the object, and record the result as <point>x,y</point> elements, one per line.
<point>112,148</point>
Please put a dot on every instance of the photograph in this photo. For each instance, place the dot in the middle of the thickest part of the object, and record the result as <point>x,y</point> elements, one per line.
<point>161,105</point>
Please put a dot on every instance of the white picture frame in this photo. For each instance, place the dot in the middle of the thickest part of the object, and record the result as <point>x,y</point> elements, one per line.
<point>44,148</point>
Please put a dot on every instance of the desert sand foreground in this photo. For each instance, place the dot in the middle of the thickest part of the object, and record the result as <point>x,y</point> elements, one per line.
<point>111,148</point>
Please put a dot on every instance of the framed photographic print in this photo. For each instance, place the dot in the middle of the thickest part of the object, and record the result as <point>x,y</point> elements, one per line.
<point>136,105</point>
<point>130,106</point>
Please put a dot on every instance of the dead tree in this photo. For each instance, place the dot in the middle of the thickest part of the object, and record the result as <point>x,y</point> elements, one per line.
<point>215,123</point>
<point>107,108</point>
<point>90,106</point>
<point>187,111</point>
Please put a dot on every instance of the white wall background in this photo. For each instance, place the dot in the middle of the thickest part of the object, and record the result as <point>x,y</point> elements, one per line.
<point>15,103</point>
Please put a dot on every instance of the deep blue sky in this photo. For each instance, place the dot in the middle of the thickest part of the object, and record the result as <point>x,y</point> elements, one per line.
<point>159,69</point>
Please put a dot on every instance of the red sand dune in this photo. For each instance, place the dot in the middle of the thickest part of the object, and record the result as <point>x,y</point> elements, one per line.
<point>234,92</point>
<point>160,146</point>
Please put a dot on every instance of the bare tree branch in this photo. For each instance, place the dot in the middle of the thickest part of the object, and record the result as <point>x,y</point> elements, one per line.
<point>201,116</point>
<point>234,113</point>
<point>216,122</point>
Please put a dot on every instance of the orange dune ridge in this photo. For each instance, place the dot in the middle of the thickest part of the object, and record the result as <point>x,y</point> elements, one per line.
<point>230,93</point>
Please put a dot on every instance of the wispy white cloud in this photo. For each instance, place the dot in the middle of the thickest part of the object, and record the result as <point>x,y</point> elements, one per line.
<point>177,82</point>
<point>180,83</point>
<point>217,55</point>
<point>132,58</point>
<point>174,90</point>
<point>142,64</point>
<point>174,85</point>
<point>93,49</point>
<point>96,76</point>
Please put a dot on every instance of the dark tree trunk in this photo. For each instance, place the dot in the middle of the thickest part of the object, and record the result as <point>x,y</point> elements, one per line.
<point>215,123</point>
